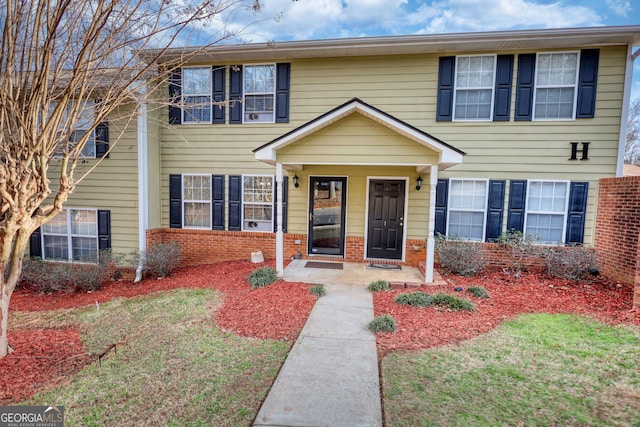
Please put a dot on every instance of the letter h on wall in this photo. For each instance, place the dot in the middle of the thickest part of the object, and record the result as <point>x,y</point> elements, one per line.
<point>574,150</point>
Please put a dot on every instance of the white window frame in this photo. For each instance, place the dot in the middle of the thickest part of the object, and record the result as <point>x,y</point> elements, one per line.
<point>246,93</point>
<point>70,236</point>
<point>208,94</point>
<point>82,130</point>
<point>457,88</point>
<point>537,86</point>
<point>528,209</point>
<point>200,201</point>
<point>484,211</point>
<point>265,229</point>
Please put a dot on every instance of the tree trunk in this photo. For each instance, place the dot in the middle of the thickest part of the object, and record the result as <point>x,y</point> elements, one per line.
<point>11,267</point>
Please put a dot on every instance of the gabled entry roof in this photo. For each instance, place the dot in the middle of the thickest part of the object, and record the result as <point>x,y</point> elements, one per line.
<point>447,155</point>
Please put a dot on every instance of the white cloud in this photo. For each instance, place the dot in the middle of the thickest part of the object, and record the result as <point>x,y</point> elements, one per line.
<point>478,15</point>
<point>282,20</point>
<point>619,7</point>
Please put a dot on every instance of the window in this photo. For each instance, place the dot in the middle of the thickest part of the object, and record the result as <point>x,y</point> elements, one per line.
<point>474,82</point>
<point>546,210</point>
<point>467,209</point>
<point>259,93</point>
<point>257,202</point>
<point>196,201</point>
<point>71,235</point>
<point>84,118</point>
<point>556,82</point>
<point>196,94</point>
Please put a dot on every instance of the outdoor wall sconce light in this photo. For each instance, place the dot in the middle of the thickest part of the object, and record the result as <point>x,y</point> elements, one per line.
<point>419,183</point>
<point>295,181</point>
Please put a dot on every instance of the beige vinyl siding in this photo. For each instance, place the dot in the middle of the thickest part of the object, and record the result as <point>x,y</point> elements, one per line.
<point>112,185</point>
<point>356,139</point>
<point>405,86</point>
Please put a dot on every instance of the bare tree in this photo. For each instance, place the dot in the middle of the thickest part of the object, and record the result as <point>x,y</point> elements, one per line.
<point>632,148</point>
<point>65,67</point>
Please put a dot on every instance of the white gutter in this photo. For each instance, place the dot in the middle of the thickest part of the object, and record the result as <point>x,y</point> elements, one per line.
<point>622,141</point>
<point>143,199</point>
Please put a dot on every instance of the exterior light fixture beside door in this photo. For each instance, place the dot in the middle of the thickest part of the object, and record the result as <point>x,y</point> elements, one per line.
<point>419,183</point>
<point>296,180</point>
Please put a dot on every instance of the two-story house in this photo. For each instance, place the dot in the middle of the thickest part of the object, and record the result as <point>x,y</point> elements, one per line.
<point>364,149</point>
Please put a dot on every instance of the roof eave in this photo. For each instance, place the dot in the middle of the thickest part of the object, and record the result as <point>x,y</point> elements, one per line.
<point>412,44</point>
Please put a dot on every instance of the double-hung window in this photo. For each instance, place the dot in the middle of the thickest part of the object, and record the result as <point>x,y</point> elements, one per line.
<point>259,93</point>
<point>196,94</point>
<point>546,210</point>
<point>196,201</point>
<point>257,202</point>
<point>72,235</point>
<point>467,209</point>
<point>556,85</point>
<point>474,84</point>
<point>82,115</point>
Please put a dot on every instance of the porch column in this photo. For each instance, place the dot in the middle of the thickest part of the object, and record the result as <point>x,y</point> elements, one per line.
<point>279,232</point>
<point>431,242</point>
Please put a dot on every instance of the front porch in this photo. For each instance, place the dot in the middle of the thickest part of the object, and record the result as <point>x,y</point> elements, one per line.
<point>357,175</point>
<point>354,273</point>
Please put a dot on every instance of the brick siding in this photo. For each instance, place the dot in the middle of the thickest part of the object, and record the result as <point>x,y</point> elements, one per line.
<point>617,237</point>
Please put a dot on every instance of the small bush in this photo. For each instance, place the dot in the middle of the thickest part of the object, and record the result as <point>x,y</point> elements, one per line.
<point>50,276</point>
<point>379,285</point>
<point>415,299</point>
<point>478,292</point>
<point>459,257</point>
<point>452,302</point>
<point>574,262</point>
<point>518,246</point>
<point>161,259</point>
<point>318,290</point>
<point>262,277</point>
<point>384,323</point>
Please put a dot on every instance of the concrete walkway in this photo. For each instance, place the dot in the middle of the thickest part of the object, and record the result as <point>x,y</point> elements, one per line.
<point>330,377</point>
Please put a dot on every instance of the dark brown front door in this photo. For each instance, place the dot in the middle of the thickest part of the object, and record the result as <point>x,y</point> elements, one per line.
<point>386,219</point>
<point>327,209</point>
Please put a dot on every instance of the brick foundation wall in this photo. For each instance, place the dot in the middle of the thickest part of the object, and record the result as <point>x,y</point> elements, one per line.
<point>617,237</point>
<point>208,246</point>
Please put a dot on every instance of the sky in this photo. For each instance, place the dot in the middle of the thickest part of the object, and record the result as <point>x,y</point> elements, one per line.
<point>285,20</point>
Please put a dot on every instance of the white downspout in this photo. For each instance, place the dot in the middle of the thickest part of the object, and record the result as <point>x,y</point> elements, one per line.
<point>279,216</point>
<point>143,199</point>
<point>626,95</point>
<point>431,242</point>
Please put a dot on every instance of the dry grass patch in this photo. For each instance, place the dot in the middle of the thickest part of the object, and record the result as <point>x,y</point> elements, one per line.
<point>173,366</point>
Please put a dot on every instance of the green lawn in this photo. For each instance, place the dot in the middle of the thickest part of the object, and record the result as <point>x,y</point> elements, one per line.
<point>173,366</point>
<point>535,370</point>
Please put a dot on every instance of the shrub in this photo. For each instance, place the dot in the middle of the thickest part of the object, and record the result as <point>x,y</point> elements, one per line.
<point>384,323</point>
<point>262,277</point>
<point>459,257</point>
<point>573,262</point>
<point>517,246</point>
<point>160,259</point>
<point>379,285</point>
<point>452,302</point>
<point>478,292</point>
<point>415,299</point>
<point>318,290</point>
<point>50,277</point>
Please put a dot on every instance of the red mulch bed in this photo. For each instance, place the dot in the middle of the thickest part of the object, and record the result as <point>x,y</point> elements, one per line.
<point>532,293</point>
<point>41,357</point>
<point>280,310</point>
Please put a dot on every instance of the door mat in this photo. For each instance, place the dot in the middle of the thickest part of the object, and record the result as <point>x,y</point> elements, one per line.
<point>385,266</point>
<point>327,265</point>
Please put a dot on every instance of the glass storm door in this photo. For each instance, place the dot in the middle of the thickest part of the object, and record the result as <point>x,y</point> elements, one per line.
<point>327,215</point>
